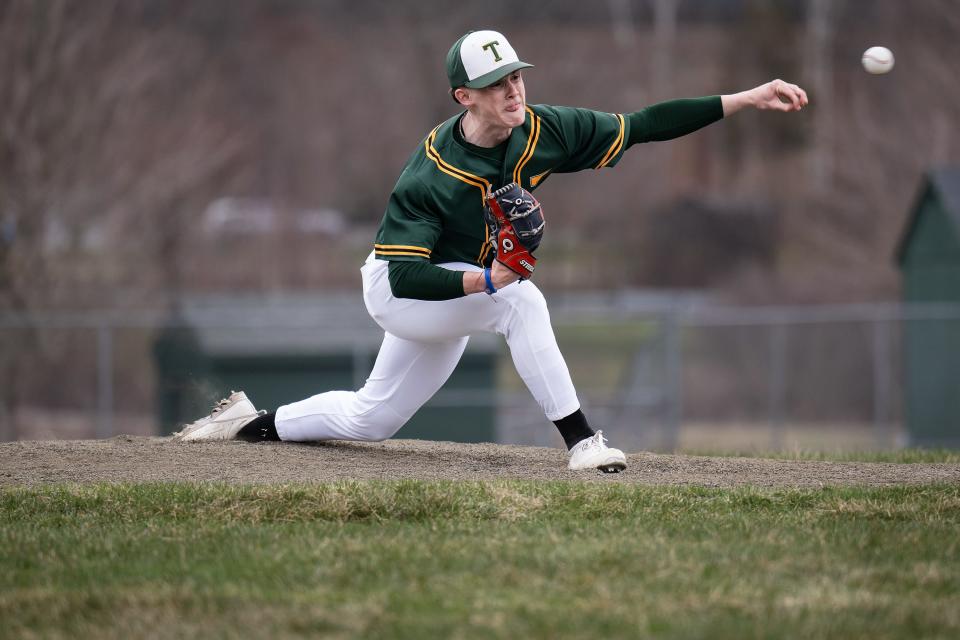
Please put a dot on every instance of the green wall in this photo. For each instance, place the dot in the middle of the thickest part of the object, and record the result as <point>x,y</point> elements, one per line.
<point>931,274</point>
<point>190,381</point>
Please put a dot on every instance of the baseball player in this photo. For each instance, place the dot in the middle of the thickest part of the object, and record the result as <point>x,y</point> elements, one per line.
<point>454,252</point>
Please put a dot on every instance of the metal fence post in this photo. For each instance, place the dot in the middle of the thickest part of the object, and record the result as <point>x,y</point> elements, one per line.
<point>882,381</point>
<point>778,381</point>
<point>6,423</point>
<point>361,365</point>
<point>673,364</point>
<point>104,427</point>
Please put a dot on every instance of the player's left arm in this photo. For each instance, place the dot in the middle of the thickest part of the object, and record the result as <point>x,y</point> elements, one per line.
<point>597,140</point>
<point>675,118</point>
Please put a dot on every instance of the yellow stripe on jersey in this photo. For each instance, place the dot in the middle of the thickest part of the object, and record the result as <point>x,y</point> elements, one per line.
<point>486,248</point>
<point>537,179</point>
<point>401,250</point>
<point>486,245</point>
<point>615,147</point>
<point>463,176</point>
<point>450,170</point>
<point>531,145</point>
<point>400,253</point>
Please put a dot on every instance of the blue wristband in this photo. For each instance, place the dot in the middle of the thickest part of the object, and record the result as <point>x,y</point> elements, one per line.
<point>490,288</point>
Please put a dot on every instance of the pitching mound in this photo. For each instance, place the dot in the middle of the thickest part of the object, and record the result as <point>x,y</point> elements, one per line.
<point>138,459</point>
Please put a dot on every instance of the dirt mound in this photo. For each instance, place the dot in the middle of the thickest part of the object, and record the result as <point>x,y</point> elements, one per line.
<point>139,459</point>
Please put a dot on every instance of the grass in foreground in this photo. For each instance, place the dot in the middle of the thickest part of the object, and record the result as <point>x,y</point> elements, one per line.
<point>908,456</point>
<point>506,559</point>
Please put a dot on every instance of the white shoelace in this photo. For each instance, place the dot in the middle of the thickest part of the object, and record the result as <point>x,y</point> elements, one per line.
<point>596,441</point>
<point>219,407</point>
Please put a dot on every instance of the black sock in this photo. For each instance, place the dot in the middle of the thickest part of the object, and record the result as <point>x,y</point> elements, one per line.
<point>574,428</point>
<point>260,428</point>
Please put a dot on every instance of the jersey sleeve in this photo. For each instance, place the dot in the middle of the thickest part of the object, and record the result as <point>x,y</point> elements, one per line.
<point>672,119</point>
<point>410,226</point>
<point>591,139</point>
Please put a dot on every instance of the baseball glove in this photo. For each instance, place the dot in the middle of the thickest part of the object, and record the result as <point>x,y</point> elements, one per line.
<point>515,220</point>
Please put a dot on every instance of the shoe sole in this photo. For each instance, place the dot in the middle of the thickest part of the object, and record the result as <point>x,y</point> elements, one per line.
<point>613,467</point>
<point>213,431</point>
<point>206,435</point>
<point>608,466</point>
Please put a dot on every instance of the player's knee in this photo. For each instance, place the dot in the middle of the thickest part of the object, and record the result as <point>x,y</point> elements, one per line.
<point>380,431</point>
<point>527,299</point>
<point>379,424</point>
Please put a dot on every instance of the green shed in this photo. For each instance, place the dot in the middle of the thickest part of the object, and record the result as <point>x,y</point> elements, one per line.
<point>285,348</point>
<point>929,259</point>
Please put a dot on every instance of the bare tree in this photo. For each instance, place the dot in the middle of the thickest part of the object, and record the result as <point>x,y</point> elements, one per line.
<point>109,125</point>
<point>820,25</point>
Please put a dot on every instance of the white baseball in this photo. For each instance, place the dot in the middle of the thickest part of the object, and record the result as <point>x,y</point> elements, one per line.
<point>877,60</point>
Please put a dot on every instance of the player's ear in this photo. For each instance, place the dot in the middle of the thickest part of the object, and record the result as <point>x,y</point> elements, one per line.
<point>461,95</point>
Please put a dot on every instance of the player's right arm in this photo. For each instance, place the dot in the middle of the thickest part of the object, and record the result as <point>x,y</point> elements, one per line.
<point>406,238</point>
<point>425,281</point>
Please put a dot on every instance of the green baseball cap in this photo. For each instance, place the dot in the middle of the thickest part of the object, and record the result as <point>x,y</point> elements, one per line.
<point>480,58</point>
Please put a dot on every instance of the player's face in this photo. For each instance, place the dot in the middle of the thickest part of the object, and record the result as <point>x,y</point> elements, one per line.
<point>502,103</point>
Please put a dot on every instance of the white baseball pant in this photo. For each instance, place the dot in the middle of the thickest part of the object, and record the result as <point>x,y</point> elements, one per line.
<point>422,343</point>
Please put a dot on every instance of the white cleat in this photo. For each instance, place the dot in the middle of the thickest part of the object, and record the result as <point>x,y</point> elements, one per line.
<point>228,417</point>
<point>592,453</point>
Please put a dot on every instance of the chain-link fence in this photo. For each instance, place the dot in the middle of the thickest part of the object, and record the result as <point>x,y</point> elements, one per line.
<point>711,379</point>
<point>672,376</point>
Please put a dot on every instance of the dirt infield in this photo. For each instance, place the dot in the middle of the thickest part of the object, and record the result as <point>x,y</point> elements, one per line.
<point>140,459</point>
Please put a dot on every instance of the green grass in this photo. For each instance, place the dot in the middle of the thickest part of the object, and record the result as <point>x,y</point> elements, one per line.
<point>908,456</point>
<point>504,559</point>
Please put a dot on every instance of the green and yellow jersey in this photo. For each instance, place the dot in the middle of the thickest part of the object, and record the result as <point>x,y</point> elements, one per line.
<point>435,212</point>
